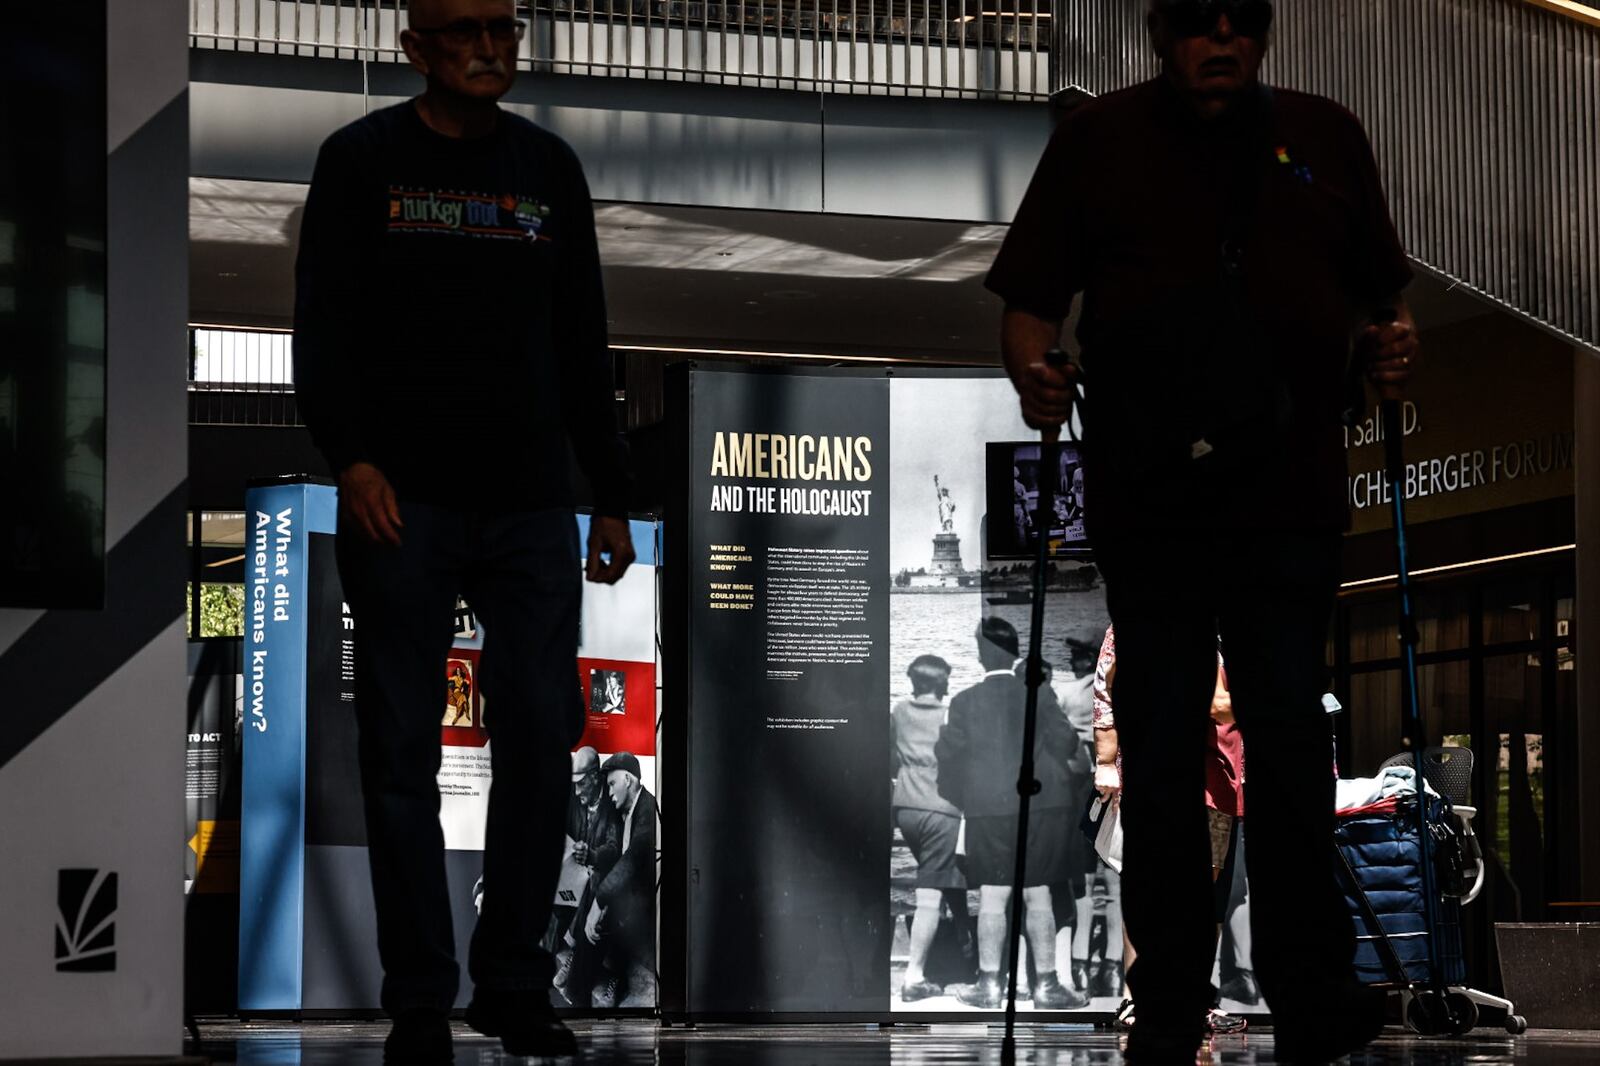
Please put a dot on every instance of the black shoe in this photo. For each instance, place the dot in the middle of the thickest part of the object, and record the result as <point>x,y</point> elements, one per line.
<point>419,1038</point>
<point>1242,988</point>
<point>524,1021</point>
<point>1080,975</point>
<point>987,994</point>
<point>1108,980</point>
<point>1348,1022</point>
<point>913,991</point>
<point>1051,994</point>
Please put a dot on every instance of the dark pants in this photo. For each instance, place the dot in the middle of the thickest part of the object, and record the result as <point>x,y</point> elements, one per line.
<point>1270,599</point>
<point>521,574</point>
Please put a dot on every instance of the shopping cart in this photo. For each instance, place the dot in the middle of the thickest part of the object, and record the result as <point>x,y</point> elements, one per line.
<point>1407,938</point>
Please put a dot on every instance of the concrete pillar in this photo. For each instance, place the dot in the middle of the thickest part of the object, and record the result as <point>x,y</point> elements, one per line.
<point>92,755</point>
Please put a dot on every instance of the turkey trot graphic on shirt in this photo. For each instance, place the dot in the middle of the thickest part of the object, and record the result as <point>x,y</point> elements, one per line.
<point>469,214</point>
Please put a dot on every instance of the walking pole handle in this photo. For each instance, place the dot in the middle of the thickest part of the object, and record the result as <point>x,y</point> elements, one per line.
<point>1057,359</point>
<point>1388,391</point>
<point>1391,396</point>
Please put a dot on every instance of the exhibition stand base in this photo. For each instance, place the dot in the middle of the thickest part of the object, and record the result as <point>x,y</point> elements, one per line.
<point>642,1042</point>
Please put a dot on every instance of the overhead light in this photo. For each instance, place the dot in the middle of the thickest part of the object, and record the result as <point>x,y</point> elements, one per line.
<point>823,356</point>
<point>1460,566</point>
<point>236,326</point>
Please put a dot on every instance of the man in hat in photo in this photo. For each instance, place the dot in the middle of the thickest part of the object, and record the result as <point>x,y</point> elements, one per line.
<point>595,827</point>
<point>977,752</point>
<point>622,919</point>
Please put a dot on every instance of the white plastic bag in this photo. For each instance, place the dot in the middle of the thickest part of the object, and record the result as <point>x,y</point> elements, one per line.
<point>1108,841</point>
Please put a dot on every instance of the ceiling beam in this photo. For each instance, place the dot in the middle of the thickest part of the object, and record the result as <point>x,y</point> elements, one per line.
<point>1585,13</point>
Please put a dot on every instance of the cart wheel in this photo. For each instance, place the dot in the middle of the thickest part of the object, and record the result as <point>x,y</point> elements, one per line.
<point>1516,1024</point>
<point>1428,1014</point>
<point>1463,1013</point>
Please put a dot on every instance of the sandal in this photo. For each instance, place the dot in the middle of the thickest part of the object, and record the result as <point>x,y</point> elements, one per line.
<point>1221,1022</point>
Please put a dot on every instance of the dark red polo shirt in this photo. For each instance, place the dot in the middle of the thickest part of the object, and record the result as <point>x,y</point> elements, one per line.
<point>1130,206</point>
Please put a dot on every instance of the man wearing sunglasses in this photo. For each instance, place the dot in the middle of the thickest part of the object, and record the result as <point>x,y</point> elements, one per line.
<point>448,280</point>
<point>1239,272</point>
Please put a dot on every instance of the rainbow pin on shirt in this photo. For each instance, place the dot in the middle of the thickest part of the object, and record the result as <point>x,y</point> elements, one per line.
<point>1301,171</point>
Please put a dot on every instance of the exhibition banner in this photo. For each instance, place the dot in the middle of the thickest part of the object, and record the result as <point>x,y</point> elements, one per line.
<point>786,551</point>
<point>843,743</point>
<point>307,932</point>
<point>789,613</point>
<point>279,520</point>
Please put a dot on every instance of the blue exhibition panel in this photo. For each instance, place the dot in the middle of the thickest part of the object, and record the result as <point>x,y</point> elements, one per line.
<point>306,931</point>
<point>279,519</point>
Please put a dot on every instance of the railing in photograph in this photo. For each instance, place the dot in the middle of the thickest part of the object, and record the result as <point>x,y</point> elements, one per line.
<point>241,377</point>
<point>990,49</point>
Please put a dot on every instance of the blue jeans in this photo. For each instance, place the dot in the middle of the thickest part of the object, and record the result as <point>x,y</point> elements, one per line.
<point>521,573</point>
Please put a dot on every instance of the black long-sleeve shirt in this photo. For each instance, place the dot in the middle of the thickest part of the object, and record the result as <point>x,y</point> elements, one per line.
<point>450,323</point>
<point>1130,206</point>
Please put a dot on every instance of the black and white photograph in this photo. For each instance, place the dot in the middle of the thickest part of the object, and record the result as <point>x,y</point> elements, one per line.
<point>959,625</point>
<point>608,692</point>
<point>1012,481</point>
<point>602,927</point>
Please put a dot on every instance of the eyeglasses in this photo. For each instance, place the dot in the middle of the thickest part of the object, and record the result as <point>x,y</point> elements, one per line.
<point>465,32</point>
<point>1198,18</point>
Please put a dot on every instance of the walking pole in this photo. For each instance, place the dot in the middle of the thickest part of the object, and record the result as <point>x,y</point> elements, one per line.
<point>1410,714</point>
<point>1027,784</point>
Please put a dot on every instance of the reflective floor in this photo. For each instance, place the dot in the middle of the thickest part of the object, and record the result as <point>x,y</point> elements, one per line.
<point>642,1042</point>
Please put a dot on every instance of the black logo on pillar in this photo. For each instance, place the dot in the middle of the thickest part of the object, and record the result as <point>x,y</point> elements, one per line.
<point>86,922</point>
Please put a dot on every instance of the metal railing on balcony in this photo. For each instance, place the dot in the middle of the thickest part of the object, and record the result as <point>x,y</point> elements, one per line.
<point>241,377</point>
<point>989,49</point>
<point>245,377</point>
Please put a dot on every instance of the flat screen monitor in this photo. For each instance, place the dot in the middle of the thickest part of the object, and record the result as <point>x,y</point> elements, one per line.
<point>1012,476</point>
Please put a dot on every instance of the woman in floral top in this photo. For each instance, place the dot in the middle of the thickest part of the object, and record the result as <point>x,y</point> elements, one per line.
<point>1224,792</point>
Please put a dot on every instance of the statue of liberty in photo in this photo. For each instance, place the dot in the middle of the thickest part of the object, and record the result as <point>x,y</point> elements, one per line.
<point>947,507</point>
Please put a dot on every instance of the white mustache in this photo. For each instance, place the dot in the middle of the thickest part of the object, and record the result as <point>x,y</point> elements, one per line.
<point>479,66</point>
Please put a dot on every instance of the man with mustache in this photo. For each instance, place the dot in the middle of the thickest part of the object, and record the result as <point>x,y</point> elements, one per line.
<point>448,267</point>
<point>1239,272</point>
